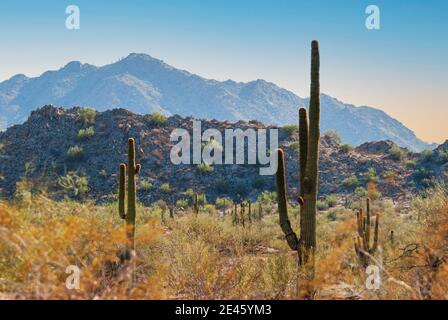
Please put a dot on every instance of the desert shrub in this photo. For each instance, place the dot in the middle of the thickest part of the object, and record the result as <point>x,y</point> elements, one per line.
<point>204,168</point>
<point>223,203</point>
<point>266,198</point>
<point>390,175</point>
<point>87,116</point>
<point>74,186</point>
<point>332,215</point>
<point>145,184</point>
<point>209,209</point>
<point>290,129</point>
<point>156,118</point>
<point>371,176</point>
<point>322,205</point>
<point>426,155</point>
<point>165,188</point>
<point>333,134</point>
<point>397,153</point>
<point>2,148</point>
<point>360,192</point>
<point>431,277</point>
<point>441,157</point>
<point>39,242</point>
<point>332,200</point>
<point>350,182</point>
<point>75,153</point>
<point>84,134</point>
<point>424,177</point>
<point>182,203</point>
<point>411,164</point>
<point>189,193</point>
<point>346,148</point>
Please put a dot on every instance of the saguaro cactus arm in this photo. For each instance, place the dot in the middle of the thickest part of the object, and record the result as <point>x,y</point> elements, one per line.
<point>285,224</point>
<point>122,191</point>
<point>303,145</point>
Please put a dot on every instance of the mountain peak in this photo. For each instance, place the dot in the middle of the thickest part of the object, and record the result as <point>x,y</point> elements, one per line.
<point>141,57</point>
<point>75,66</point>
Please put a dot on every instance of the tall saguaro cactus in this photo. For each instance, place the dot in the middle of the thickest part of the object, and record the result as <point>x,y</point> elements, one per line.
<point>309,134</point>
<point>129,215</point>
<point>363,247</point>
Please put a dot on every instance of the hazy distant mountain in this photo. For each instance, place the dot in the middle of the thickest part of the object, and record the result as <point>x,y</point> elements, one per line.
<point>143,84</point>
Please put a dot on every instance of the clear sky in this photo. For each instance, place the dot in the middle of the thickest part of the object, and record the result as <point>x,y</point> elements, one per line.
<point>401,68</point>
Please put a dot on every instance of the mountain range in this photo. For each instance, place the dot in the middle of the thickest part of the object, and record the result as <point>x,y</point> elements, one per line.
<point>143,84</point>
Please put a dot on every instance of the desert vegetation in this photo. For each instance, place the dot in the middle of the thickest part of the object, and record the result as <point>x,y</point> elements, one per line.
<point>188,247</point>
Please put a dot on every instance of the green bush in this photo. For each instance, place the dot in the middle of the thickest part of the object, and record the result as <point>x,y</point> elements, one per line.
<point>322,205</point>
<point>334,135</point>
<point>397,153</point>
<point>411,164</point>
<point>332,215</point>
<point>209,209</point>
<point>346,148</point>
<point>157,118</point>
<point>223,203</point>
<point>390,175</point>
<point>189,192</point>
<point>360,192</point>
<point>441,157</point>
<point>426,155</point>
<point>204,168</point>
<point>267,198</point>
<point>74,185</point>
<point>371,176</point>
<point>75,153</point>
<point>290,129</point>
<point>87,116</point>
<point>182,203</point>
<point>332,200</point>
<point>84,134</point>
<point>145,184</point>
<point>2,148</point>
<point>351,182</point>
<point>165,188</point>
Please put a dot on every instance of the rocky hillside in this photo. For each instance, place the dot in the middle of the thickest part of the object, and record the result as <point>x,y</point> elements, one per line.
<point>59,146</point>
<point>143,84</point>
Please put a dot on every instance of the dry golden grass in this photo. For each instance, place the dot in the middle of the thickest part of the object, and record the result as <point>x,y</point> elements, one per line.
<point>205,256</point>
<point>39,240</point>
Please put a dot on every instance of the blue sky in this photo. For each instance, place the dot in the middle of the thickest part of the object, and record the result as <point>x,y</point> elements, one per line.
<point>401,68</point>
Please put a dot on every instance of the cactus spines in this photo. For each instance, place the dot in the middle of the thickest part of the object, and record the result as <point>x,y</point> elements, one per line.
<point>309,134</point>
<point>128,192</point>
<point>363,246</point>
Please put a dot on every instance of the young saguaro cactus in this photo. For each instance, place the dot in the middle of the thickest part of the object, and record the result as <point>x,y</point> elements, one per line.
<point>363,247</point>
<point>195,203</point>
<point>129,215</point>
<point>309,134</point>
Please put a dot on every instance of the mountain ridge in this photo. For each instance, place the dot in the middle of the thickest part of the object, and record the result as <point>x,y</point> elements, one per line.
<point>144,84</point>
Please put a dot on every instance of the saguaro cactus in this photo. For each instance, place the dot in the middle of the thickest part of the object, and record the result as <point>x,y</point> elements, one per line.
<point>363,247</point>
<point>195,203</point>
<point>309,134</point>
<point>129,215</point>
